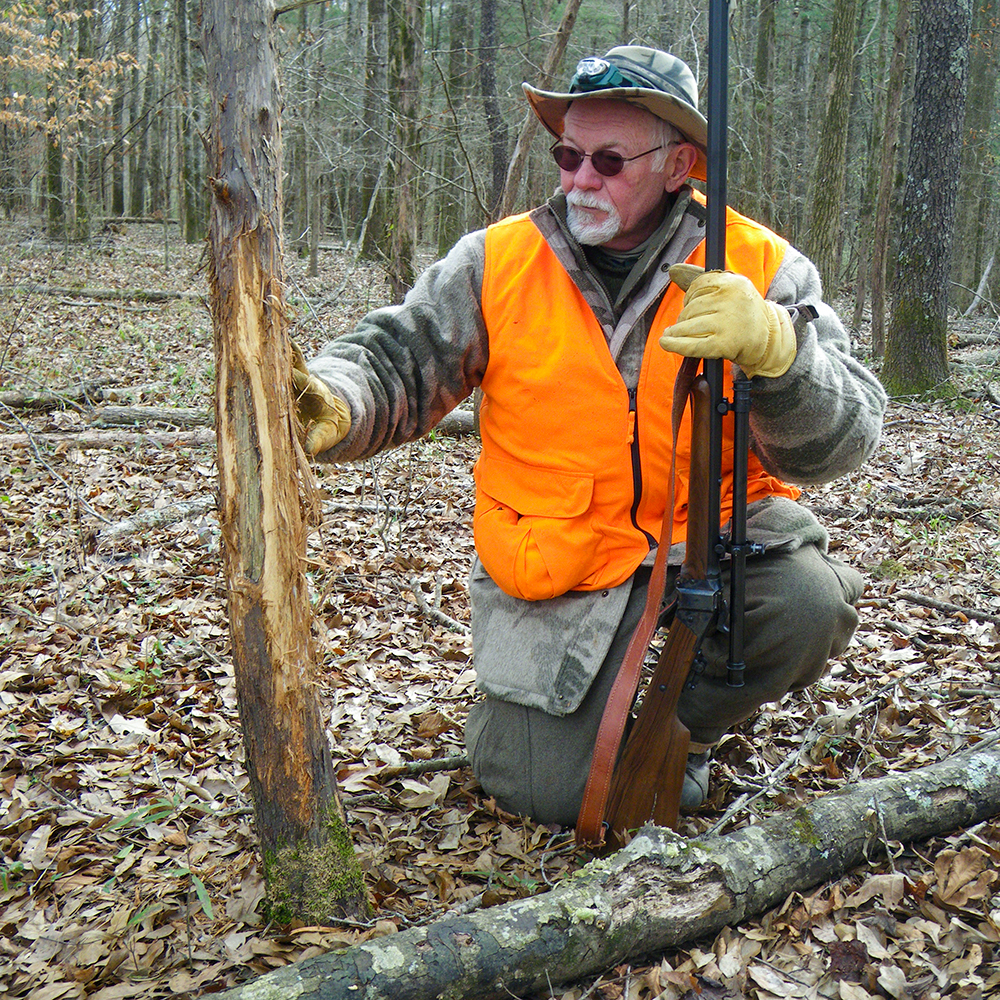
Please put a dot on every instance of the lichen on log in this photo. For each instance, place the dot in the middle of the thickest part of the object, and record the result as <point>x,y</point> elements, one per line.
<point>658,893</point>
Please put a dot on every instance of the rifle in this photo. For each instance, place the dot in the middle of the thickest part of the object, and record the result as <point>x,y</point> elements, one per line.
<point>646,783</point>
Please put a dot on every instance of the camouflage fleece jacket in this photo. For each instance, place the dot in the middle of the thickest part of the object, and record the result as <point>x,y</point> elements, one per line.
<point>406,366</point>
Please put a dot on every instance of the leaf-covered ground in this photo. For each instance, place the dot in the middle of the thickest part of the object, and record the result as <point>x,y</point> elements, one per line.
<point>127,849</point>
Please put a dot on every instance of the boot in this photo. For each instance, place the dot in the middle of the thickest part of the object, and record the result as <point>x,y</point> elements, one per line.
<point>695,789</point>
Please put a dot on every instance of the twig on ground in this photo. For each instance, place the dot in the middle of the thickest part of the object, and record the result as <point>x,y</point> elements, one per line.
<point>946,608</point>
<point>452,763</point>
<point>436,613</point>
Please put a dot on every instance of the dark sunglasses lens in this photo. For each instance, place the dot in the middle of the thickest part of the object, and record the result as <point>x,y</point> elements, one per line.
<point>607,164</point>
<point>566,157</point>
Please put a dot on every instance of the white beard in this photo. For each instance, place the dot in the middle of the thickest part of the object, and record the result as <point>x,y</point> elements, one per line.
<point>583,226</point>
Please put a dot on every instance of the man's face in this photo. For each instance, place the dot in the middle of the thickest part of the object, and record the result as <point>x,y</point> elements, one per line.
<point>618,212</point>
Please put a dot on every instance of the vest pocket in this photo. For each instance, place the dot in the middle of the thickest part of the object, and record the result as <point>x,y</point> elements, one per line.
<point>534,528</point>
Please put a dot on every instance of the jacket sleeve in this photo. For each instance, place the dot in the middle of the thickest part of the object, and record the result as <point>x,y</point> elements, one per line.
<point>405,366</point>
<point>823,417</point>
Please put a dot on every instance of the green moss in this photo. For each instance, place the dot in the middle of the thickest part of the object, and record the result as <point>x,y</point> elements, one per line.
<point>805,832</point>
<point>315,883</point>
<point>889,569</point>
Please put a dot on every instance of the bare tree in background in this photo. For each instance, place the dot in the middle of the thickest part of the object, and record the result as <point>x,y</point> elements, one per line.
<point>916,348</point>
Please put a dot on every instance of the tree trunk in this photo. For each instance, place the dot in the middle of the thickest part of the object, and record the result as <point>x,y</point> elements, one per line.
<point>308,860</point>
<point>764,111</point>
<point>451,225</point>
<point>81,201</point>
<point>658,894</point>
<point>372,231</point>
<point>977,185</point>
<point>825,220</point>
<point>406,37</point>
<point>869,163</point>
<point>189,208</point>
<point>118,122</point>
<point>531,124</point>
<point>916,354</point>
<point>495,125</point>
<point>137,202</point>
<point>890,149</point>
<point>55,209</point>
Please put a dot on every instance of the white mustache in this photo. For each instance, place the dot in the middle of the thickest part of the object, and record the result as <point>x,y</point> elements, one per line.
<point>587,199</point>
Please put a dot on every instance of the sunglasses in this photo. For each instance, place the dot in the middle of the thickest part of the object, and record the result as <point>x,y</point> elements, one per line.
<point>606,163</point>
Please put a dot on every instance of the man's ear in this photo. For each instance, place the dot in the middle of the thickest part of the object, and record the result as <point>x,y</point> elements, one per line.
<point>680,165</point>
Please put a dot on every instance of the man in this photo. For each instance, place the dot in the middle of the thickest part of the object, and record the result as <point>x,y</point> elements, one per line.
<point>571,322</point>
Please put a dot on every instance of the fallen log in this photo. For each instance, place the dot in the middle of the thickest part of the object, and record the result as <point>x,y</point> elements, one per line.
<point>54,399</point>
<point>101,294</point>
<point>655,895</point>
<point>170,514</point>
<point>128,416</point>
<point>61,441</point>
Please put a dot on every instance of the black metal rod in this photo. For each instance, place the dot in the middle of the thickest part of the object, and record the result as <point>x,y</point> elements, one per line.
<point>715,247</point>
<point>738,546</point>
<point>715,259</point>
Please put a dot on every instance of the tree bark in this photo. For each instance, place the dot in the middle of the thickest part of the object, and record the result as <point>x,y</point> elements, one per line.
<point>496,126</point>
<point>309,865</point>
<point>406,38</point>
<point>890,149</point>
<point>657,894</point>
<point>916,355</point>
<point>531,124</point>
<point>763,116</point>
<point>831,158</point>
<point>977,185</point>
<point>372,231</point>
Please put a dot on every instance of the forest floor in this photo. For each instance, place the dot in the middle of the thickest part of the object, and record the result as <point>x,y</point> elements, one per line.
<point>128,862</point>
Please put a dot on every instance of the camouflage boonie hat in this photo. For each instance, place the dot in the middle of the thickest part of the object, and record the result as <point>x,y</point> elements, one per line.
<point>654,80</point>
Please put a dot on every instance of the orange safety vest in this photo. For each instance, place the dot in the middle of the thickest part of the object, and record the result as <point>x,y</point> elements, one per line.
<point>572,481</point>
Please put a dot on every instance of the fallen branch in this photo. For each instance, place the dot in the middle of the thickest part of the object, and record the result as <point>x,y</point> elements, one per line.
<point>169,514</point>
<point>129,416</point>
<point>110,439</point>
<point>102,294</point>
<point>54,399</point>
<point>415,767</point>
<point>948,609</point>
<point>657,894</point>
<point>954,511</point>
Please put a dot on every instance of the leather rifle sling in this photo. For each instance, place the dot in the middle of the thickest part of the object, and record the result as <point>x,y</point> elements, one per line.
<point>590,823</point>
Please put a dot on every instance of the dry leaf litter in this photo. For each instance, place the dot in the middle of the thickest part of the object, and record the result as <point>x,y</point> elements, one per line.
<point>128,859</point>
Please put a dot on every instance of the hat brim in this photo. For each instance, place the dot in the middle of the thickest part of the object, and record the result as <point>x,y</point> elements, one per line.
<point>551,111</point>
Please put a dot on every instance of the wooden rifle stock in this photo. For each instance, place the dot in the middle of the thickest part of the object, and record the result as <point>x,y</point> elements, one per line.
<point>647,781</point>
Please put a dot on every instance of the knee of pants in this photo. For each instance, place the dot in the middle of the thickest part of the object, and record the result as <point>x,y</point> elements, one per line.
<point>531,762</point>
<point>799,614</point>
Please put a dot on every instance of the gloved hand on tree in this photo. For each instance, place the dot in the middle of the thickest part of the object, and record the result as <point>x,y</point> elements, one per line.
<point>724,316</point>
<point>324,416</point>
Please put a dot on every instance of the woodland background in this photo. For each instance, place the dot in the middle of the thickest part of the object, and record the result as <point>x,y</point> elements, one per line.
<point>129,863</point>
<point>408,111</point>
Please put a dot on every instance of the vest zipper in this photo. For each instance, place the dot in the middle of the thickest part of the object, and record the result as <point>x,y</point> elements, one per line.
<point>633,410</point>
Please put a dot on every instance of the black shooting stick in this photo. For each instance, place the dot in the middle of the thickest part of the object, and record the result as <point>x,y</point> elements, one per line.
<point>715,260</point>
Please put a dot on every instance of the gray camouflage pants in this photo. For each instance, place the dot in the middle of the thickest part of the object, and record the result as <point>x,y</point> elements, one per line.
<point>799,614</point>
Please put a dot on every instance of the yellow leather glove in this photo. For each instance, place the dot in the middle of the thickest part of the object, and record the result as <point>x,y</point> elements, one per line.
<point>724,316</point>
<point>325,417</point>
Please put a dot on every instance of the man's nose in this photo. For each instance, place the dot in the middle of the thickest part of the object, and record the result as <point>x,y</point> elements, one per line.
<point>587,177</point>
